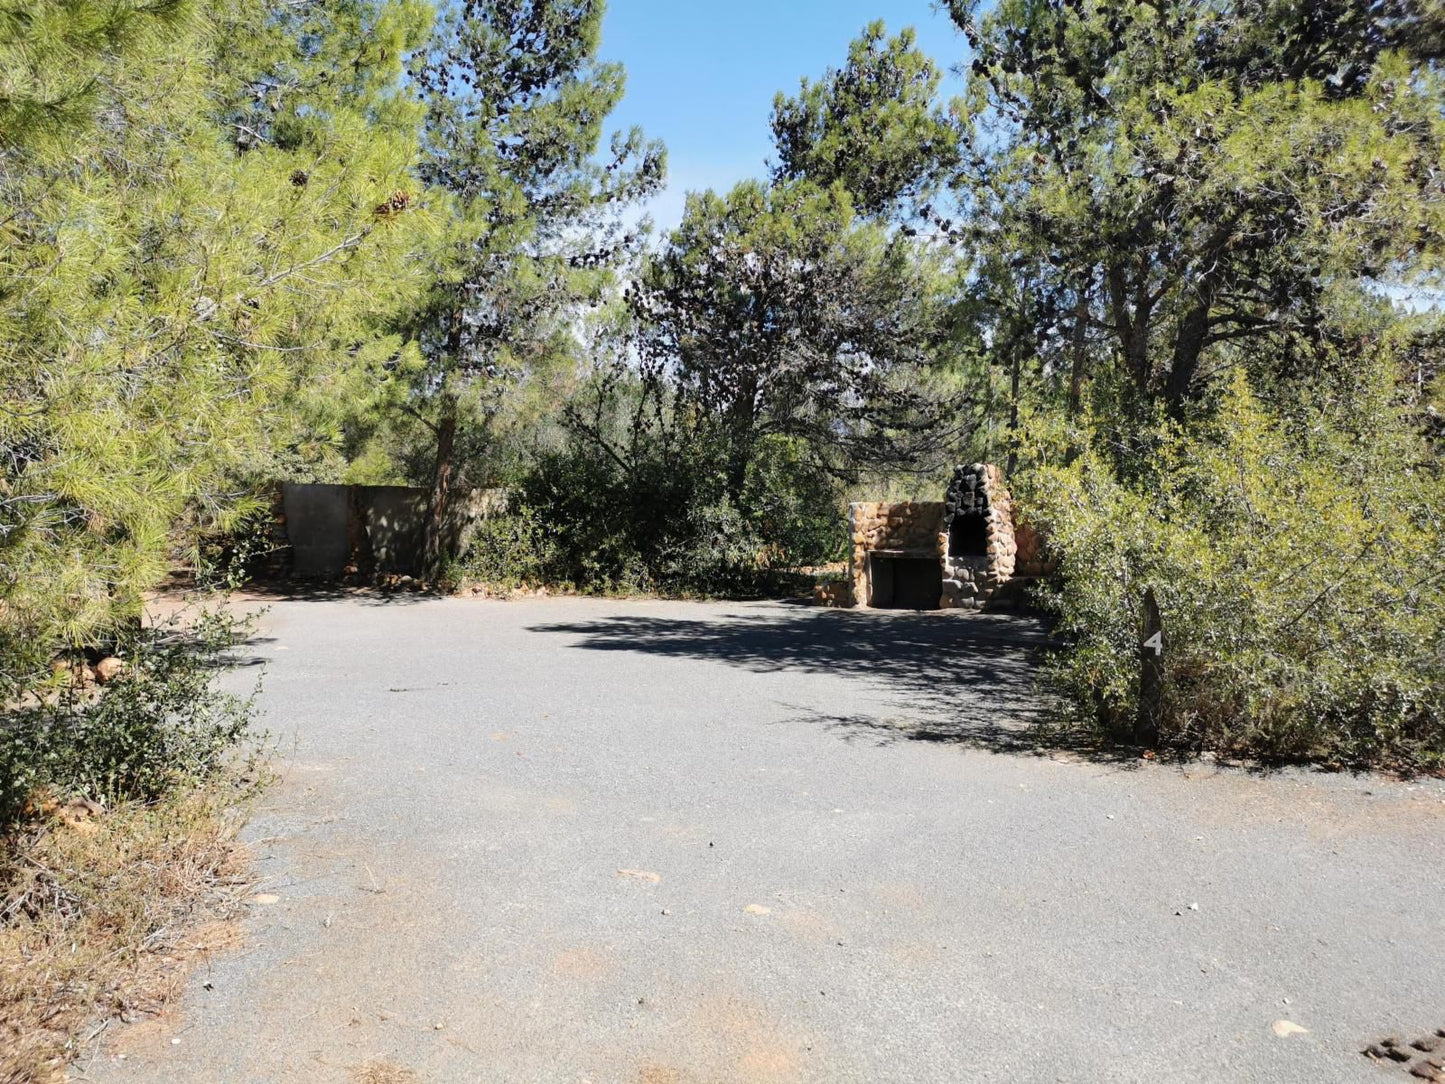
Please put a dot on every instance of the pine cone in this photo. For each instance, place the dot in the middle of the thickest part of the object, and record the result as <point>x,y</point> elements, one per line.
<point>397,202</point>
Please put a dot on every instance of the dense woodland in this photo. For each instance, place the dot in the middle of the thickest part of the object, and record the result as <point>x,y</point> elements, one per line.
<point>1175,264</point>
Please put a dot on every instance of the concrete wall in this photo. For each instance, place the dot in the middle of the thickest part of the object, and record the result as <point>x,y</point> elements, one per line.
<point>393,517</point>
<point>317,519</point>
<point>334,531</point>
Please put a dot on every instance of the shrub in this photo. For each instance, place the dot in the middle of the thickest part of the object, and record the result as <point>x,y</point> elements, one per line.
<point>228,558</point>
<point>660,521</point>
<point>1301,578</point>
<point>158,727</point>
<point>101,911</point>
<point>511,550</point>
<point>794,505</point>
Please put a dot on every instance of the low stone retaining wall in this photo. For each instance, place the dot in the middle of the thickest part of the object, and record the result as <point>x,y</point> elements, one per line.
<point>837,595</point>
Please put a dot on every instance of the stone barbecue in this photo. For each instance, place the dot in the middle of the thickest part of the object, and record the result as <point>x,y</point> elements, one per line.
<point>956,554</point>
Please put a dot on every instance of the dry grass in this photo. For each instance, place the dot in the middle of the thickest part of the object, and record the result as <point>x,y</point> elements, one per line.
<point>101,914</point>
<point>382,1072</point>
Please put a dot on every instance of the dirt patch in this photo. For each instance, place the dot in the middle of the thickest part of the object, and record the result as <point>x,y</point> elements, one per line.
<point>729,1040</point>
<point>1314,805</point>
<point>102,916</point>
<point>582,963</point>
<point>812,926</point>
<point>382,1072</point>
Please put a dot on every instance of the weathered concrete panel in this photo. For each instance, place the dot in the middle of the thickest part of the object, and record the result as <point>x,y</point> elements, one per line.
<point>336,530</point>
<point>393,518</point>
<point>316,526</point>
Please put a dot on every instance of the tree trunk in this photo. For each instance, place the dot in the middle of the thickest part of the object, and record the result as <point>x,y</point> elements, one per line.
<point>1013,412</point>
<point>742,423</point>
<point>1080,359</point>
<point>436,544</point>
<point>1188,346</point>
<point>361,560</point>
<point>1132,324</point>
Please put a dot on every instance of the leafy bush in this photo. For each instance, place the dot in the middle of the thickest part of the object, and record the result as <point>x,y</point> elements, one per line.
<point>511,550</point>
<point>159,726</point>
<point>794,505</point>
<point>1300,575</point>
<point>227,558</point>
<point>661,520</point>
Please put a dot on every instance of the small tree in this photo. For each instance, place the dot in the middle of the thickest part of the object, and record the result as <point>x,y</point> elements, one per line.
<point>773,311</point>
<point>516,100</point>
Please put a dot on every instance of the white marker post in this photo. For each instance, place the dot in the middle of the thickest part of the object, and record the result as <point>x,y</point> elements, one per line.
<point>1151,674</point>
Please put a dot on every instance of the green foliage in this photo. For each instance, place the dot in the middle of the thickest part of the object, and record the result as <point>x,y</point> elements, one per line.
<point>794,505</point>
<point>1301,577</point>
<point>229,559</point>
<point>875,126</point>
<point>657,521</point>
<point>55,56</point>
<point>513,550</point>
<point>1181,214</point>
<point>169,299</point>
<point>1157,185</point>
<point>772,311</point>
<point>635,500</point>
<point>159,727</point>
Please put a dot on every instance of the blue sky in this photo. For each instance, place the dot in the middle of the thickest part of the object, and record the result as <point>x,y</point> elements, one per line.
<point>702,73</point>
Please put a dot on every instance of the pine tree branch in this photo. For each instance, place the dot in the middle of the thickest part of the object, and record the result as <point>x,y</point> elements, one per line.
<point>335,250</point>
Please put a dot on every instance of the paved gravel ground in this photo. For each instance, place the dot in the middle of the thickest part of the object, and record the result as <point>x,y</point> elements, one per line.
<point>662,843</point>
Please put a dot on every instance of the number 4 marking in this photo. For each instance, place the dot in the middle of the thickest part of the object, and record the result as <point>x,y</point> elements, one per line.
<point>1156,642</point>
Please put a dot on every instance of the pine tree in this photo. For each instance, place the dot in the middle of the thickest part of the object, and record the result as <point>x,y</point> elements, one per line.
<point>1159,185</point>
<point>54,58</point>
<point>242,211</point>
<point>516,101</point>
<point>876,125</point>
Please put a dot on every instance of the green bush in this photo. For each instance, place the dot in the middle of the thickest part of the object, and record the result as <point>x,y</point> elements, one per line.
<point>1300,575</point>
<point>161,725</point>
<point>661,520</point>
<point>228,558</point>
<point>794,505</point>
<point>511,550</point>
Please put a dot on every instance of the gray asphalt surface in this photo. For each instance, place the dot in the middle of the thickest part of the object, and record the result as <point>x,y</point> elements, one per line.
<point>661,843</point>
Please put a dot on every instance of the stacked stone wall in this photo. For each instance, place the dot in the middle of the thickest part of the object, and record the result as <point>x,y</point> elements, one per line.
<point>913,526</point>
<point>836,594</point>
<point>969,582</point>
<point>1032,559</point>
<point>1012,554</point>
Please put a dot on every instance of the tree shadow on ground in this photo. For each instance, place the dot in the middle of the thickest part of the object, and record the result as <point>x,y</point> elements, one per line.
<point>331,591</point>
<point>965,679</point>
